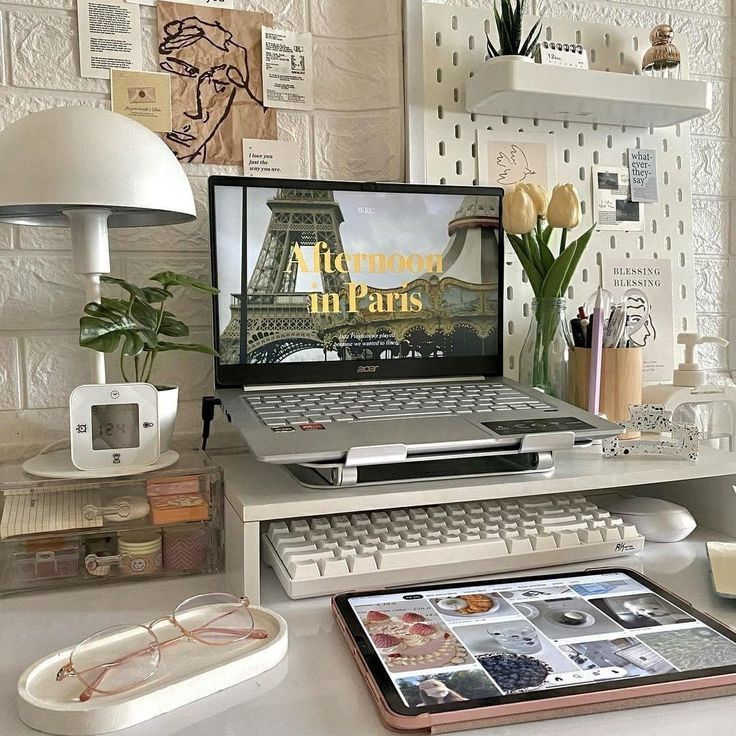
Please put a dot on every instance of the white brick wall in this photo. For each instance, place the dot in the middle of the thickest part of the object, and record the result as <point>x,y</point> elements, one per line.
<point>355,132</point>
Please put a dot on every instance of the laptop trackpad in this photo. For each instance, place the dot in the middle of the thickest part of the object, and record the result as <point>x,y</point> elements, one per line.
<point>435,430</point>
<point>536,426</point>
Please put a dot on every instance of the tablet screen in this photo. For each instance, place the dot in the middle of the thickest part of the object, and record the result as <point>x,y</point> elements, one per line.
<point>455,646</point>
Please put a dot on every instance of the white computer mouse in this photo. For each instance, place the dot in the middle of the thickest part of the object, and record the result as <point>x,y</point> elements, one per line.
<point>656,519</point>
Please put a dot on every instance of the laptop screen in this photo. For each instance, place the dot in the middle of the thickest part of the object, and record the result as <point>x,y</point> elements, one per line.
<point>324,281</point>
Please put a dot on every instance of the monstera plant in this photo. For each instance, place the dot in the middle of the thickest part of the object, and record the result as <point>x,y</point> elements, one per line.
<point>138,326</point>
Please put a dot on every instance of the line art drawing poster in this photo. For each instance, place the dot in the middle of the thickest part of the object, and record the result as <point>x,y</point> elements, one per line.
<point>214,58</point>
<point>506,160</point>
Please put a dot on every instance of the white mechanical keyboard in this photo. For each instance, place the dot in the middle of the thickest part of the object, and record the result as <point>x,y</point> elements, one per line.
<point>333,554</point>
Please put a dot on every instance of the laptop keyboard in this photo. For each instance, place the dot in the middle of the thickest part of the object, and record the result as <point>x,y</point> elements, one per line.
<point>389,402</point>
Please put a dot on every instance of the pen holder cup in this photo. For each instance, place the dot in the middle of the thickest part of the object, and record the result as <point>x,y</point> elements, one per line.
<point>621,379</point>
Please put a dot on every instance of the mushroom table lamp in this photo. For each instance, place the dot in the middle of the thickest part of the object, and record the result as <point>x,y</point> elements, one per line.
<point>90,170</point>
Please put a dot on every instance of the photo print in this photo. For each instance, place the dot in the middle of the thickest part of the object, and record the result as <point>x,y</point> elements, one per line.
<point>446,687</point>
<point>613,207</point>
<point>519,637</point>
<point>567,618</point>
<point>608,587</point>
<point>535,593</point>
<point>409,636</point>
<point>214,58</point>
<point>628,653</point>
<point>692,648</point>
<point>471,606</point>
<point>641,611</point>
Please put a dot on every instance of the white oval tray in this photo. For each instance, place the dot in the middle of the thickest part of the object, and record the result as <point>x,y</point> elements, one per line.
<point>188,671</point>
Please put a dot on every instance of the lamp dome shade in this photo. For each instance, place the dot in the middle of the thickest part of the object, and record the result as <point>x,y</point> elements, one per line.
<point>84,157</point>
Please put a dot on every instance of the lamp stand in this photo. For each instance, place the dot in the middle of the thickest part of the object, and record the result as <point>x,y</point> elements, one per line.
<point>90,258</point>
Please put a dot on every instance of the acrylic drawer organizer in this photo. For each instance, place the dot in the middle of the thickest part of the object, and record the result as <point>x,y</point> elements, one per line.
<point>56,533</point>
<point>187,672</point>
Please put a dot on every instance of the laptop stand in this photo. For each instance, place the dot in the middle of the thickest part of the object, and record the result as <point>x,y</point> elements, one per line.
<point>389,464</point>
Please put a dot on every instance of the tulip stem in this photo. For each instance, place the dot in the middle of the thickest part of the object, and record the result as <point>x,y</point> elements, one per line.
<point>563,240</point>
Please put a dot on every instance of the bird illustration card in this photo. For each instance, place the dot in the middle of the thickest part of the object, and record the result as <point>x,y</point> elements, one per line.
<point>505,159</point>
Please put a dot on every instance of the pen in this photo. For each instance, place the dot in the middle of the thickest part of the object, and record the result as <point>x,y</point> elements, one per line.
<point>596,355</point>
<point>578,334</point>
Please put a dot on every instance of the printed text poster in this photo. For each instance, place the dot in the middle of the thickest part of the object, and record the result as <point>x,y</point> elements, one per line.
<point>653,277</point>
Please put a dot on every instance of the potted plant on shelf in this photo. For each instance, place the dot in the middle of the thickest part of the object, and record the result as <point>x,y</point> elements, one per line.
<point>530,217</point>
<point>508,25</point>
<point>138,325</point>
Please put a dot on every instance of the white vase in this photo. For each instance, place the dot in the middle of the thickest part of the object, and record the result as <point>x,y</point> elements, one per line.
<point>168,401</point>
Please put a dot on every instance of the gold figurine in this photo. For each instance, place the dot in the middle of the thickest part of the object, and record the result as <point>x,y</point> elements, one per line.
<point>663,58</point>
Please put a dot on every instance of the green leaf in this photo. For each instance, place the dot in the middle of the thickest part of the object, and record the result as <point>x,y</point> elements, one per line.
<point>547,234</point>
<point>93,309</point>
<point>490,48</point>
<point>115,318</point>
<point>580,244</point>
<point>98,334</point>
<point>556,275</point>
<point>172,327</point>
<point>190,347</point>
<point>546,254</point>
<point>132,344</point>
<point>145,314</point>
<point>532,39</point>
<point>535,279</point>
<point>149,337</point>
<point>116,305</point>
<point>156,295</point>
<point>169,278</point>
<point>516,23</point>
<point>123,284</point>
<point>533,250</point>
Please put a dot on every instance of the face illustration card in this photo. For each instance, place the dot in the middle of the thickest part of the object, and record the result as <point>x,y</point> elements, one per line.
<point>214,58</point>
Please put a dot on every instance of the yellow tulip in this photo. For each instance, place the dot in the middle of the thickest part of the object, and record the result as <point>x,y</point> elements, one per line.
<point>539,195</point>
<point>519,213</point>
<point>564,207</point>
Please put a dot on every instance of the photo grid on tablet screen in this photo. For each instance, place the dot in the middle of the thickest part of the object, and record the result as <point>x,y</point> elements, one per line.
<point>476,642</point>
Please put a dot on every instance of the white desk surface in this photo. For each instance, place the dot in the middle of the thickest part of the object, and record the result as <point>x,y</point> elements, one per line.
<point>260,491</point>
<point>317,690</point>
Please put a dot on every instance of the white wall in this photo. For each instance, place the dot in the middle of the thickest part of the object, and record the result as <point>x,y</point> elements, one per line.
<point>356,131</point>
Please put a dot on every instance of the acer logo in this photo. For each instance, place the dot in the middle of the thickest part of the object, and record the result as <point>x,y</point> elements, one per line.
<point>367,368</point>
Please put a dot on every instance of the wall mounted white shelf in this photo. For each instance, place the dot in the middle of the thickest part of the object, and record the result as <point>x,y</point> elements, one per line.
<point>514,87</point>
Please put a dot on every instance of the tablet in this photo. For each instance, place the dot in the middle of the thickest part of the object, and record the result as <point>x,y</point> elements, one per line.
<point>510,650</point>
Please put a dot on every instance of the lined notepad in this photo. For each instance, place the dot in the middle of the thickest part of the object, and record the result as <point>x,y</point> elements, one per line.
<point>50,510</point>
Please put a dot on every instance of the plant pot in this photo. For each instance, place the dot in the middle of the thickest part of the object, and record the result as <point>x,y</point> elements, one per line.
<point>516,57</point>
<point>168,402</point>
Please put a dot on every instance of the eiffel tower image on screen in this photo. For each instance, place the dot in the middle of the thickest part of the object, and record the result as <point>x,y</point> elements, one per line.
<point>279,323</point>
<point>459,315</point>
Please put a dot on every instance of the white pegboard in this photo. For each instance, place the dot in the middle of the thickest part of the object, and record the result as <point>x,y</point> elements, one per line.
<point>444,44</point>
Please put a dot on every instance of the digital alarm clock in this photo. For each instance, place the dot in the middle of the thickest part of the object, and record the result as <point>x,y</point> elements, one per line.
<point>114,425</point>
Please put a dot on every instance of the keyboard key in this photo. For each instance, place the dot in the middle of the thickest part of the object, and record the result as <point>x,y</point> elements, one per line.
<point>329,567</point>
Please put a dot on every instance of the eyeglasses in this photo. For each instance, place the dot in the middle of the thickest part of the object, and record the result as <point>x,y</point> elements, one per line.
<point>120,658</point>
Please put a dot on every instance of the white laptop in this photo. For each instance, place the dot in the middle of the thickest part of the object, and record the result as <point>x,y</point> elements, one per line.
<point>363,322</point>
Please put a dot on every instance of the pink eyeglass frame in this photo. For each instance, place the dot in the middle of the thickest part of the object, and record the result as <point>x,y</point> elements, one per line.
<point>68,670</point>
